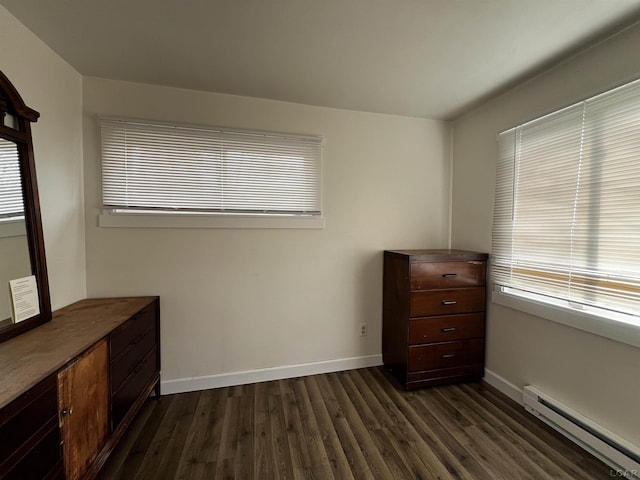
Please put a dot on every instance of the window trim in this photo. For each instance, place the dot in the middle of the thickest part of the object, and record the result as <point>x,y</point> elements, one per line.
<point>617,327</point>
<point>13,227</point>
<point>115,217</point>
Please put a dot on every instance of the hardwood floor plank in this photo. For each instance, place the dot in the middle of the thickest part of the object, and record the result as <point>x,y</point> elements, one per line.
<point>204,435</point>
<point>502,462</point>
<point>361,400</point>
<point>319,465</point>
<point>262,433</point>
<point>388,415</point>
<point>357,461</point>
<point>393,459</point>
<point>348,425</point>
<point>452,454</point>
<point>225,463</point>
<point>143,448</point>
<point>176,447</point>
<point>300,457</point>
<point>505,411</point>
<point>129,450</point>
<point>336,456</point>
<point>530,458</point>
<point>417,454</point>
<point>462,433</point>
<point>163,449</point>
<point>280,450</point>
<point>246,436</point>
<point>355,409</point>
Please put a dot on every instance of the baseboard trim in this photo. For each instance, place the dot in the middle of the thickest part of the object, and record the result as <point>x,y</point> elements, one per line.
<point>505,386</point>
<point>193,384</point>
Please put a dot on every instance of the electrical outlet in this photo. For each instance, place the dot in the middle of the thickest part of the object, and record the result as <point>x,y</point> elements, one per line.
<point>363,329</point>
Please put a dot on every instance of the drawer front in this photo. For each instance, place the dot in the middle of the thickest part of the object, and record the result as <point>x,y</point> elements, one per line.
<point>22,418</point>
<point>446,355</point>
<point>445,328</point>
<point>57,472</point>
<point>132,387</point>
<point>132,355</point>
<point>42,461</point>
<point>427,275</point>
<point>131,332</point>
<point>446,302</point>
<point>445,375</point>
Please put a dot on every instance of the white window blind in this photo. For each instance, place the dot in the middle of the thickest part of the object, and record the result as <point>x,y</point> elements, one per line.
<point>11,203</point>
<point>567,204</point>
<point>155,167</point>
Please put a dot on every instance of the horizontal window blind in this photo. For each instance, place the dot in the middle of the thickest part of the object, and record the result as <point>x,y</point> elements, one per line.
<point>178,168</point>
<point>11,202</point>
<point>567,204</point>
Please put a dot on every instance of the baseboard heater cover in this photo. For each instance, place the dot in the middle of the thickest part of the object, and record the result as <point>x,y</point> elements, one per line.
<point>616,452</point>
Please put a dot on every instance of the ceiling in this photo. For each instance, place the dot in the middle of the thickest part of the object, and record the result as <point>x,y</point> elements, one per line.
<point>423,58</point>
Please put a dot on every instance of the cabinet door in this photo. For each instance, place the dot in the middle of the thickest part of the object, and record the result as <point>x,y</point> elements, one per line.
<point>83,404</point>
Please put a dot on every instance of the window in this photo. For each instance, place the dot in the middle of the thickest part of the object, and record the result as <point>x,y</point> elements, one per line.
<point>152,168</point>
<point>567,207</point>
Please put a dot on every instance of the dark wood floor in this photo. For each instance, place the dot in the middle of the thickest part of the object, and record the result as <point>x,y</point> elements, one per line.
<point>345,425</point>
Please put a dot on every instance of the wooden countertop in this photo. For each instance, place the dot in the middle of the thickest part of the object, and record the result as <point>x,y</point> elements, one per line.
<point>29,358</point>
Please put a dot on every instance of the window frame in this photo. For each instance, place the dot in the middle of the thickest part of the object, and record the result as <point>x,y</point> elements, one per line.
<point>113,216</point>
<point>619,327</point>
<point>598,320</point>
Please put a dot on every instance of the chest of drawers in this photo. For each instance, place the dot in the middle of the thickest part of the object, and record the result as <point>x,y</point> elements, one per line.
<point>433,329</point>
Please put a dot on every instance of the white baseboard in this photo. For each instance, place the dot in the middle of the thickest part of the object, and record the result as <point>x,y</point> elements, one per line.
<point>193,384</point>
<point>505,386</point>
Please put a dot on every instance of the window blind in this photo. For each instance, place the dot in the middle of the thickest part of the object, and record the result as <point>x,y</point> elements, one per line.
<point>179,168</point>
<point>567,204</point>
<point>11,202</point>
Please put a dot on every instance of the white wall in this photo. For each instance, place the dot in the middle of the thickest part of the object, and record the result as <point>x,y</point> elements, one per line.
<point>239,299</point>
<point>50,86</point>
<point>596,376</point>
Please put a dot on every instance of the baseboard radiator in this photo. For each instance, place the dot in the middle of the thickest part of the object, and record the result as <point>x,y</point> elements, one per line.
<point>620,455</point>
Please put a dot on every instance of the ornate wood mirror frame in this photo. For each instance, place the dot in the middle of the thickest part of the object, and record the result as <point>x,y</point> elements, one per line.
<point>15,127</point>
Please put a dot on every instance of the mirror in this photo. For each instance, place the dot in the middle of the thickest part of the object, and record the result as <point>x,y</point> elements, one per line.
<point>14,247</point>
<point>21,243</point>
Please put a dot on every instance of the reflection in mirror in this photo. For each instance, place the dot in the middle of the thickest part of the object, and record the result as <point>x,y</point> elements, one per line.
<point>10,121</point>
<point>14,248</point>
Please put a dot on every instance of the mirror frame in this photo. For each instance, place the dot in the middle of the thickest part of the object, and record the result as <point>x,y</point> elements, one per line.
<point>11,103</point>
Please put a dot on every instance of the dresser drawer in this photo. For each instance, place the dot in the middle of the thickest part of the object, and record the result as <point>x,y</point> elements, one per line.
<point>132,355</point>
<point>446,302</point>
<point>446,354</point>
<point>133,385</point>
<point>445,375</point>
<point>427,275</point>
<point>28,416</point>
<point>446,328</point>
<point>131,332</point>
<point>42,462</point>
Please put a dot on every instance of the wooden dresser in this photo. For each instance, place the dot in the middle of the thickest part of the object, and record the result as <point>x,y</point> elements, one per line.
<point>71,387</point>
<point>433,329</point>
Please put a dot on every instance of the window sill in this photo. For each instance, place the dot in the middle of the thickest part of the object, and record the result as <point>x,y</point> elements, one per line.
<point>624,329</point>
<point>12,228</point>
<point>123,220</point>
